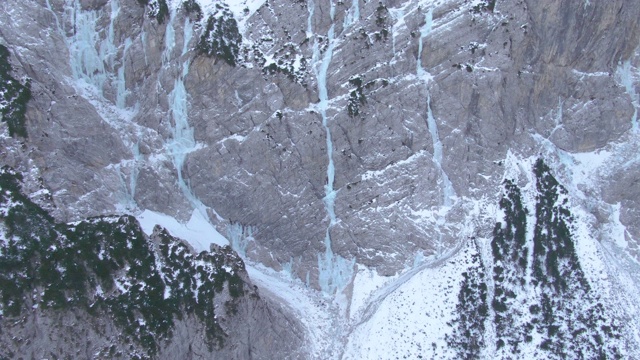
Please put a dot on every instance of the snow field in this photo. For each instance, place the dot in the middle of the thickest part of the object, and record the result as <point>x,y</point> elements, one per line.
<point>411,322</point>
<point>198,231</point>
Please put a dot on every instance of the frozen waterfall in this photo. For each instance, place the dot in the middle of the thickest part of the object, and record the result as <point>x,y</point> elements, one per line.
<point>448,192</point>
<point>334,271</point>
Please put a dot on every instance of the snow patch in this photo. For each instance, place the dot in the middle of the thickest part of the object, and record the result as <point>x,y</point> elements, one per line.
<point>242,9</point>
<point>198,231</point>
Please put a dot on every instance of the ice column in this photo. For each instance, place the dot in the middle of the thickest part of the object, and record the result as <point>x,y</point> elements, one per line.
<point>143,37</point>
<point>625,76</point>
<point>447,188</point>
<point>424,31</point>
<point>86,63</point>
<point>445,184</point>
<point>240,236</point>
<point>121,89</point>
<point>169,39</point>
<point>335,272</point>
<point>183,141</point>
<point>398,15</point>
<point>353,14</point>
<point>92,57</point>
<point>133,180</point>
<point>89,53</point>
<point>129,189</point>
<point>108,49</point>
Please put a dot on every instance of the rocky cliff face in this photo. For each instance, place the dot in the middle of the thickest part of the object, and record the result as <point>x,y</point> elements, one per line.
<point>100,288</point>
<point>348,144</point>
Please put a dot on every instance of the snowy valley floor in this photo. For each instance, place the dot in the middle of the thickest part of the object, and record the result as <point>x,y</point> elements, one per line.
<point>409,315</point>
<point>387,317</point>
